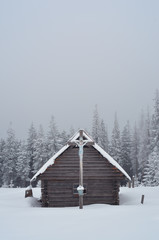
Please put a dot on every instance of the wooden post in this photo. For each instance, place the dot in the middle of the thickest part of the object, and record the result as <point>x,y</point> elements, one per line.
<point>81,168</point>
<point>142,199</point>
<point>129,184</point>
<point>81,202</point>
<point>133,181</point>
<point>81,143</point>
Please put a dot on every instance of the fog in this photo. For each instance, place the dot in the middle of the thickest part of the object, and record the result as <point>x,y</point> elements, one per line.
<point>62,57</point>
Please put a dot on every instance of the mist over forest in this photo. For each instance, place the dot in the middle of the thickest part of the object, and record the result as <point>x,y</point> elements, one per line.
<point>134,147</point>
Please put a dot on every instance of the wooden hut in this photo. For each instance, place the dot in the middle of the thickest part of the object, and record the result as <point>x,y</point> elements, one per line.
<point>60,176</point>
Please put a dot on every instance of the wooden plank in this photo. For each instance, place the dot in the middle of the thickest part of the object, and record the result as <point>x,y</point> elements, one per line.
<point>74,178</point>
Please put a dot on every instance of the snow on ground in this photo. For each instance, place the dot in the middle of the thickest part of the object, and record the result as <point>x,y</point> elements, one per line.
<point>21,220</point>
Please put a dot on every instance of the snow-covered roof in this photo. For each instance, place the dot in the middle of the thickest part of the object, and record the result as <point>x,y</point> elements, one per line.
<point>72,140</point>
<point>49,162</point>
<point>110,159</point>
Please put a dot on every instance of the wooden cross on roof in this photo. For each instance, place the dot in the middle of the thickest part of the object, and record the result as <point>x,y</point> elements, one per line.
<point>81,139</point>
<point>81,134</point>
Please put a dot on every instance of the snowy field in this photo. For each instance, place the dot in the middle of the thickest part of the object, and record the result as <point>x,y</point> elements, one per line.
<point>19,220</point>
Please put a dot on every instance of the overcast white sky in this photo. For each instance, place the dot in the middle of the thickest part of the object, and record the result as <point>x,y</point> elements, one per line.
<point>62,57</point>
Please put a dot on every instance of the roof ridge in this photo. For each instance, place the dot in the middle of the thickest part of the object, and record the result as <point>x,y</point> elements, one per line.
<point>77,134</point>
<point>64,148</point>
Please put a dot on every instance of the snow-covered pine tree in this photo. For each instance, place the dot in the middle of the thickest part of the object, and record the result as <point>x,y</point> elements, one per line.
<point>2,152</point>
<point>103,137</point>
<point>135,151</point>
<point>115,149</point>
<point>126,149</point>
<point>22,166</point>
<point>53,141</point>
<point>71,131</point>
<point>32,136</point>
<point>155,122</point>
<point>64,138</point>
<point>144,139</point>
<point>10,157</point>
<point>96,125</point>
<point>141,130</point>
<point>40,153</point>
<point>151,174</point>
<point>145,145</point>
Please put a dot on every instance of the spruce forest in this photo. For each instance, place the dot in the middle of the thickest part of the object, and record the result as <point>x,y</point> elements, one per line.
<point>135,148</point>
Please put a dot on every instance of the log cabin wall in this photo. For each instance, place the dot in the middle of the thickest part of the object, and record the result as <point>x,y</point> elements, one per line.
<point>101,179</point>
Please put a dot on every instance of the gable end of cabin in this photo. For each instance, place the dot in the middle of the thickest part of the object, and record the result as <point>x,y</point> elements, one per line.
<point>101,179</point>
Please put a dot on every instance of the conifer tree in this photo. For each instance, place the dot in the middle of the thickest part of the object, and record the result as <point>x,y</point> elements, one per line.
<point>141,130</point>
<point>145,146</point>
<point>96,125</point>
<point>151,173</point>
<point>40,153</point>
<point>135,151</point>
<point>126,150</point>
<point>64,138</point>
<point>2,152</point>
<point>116,142</point>
<point>32,136</point>
<point>103,137</point>
<point>22,166</point>
<point>53,142</point>
<point>155,122</point>
<point>71,132</point>
<point>10,156</point>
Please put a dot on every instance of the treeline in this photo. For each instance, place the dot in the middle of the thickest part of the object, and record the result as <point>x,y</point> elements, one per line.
<point>20,160</point>
<point>135,148</point>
